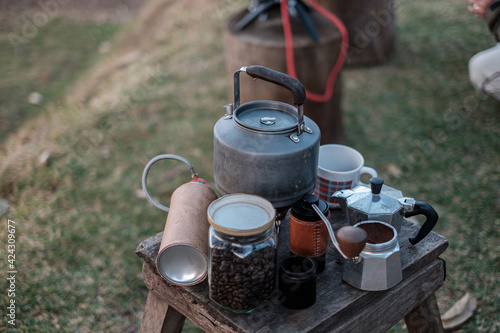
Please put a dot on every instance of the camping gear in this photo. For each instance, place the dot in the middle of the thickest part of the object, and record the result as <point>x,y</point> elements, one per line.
<point>297,282</point>
<point>243,243</point>
<point>308,233</point>
<point>267,148</point>
<point>384,203</point>
<point>349,241</point>
<point>378,266</point>
<point>339,168</point>
<point>183,255</point>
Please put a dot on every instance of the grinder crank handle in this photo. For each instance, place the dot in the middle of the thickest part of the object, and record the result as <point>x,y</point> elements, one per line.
<point>350,241</point>
<point>423,208</point>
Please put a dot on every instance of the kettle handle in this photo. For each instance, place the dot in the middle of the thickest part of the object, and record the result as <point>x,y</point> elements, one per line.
<point>281,79</point>
<point>150,164</point>
<point>423,208</point>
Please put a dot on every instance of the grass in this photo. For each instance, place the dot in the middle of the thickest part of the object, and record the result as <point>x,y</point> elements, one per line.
<point>416,119</point>
<point>442,139</point>
<point>44,64</point>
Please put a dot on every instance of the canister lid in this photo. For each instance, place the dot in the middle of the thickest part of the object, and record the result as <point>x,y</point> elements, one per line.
<point>182,264</point>
<point>241,214</point>
<point>303,210</point>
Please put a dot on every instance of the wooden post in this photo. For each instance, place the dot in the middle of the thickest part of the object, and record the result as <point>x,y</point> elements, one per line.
<point>371,25</point>
<point>159,317</point>
<point>425,317</point>
<point>262,43</point>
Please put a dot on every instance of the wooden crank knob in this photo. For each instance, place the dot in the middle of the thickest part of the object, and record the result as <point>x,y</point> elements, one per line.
<point>351,240</point>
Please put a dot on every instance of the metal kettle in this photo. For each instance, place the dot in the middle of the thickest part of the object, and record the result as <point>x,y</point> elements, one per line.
<point>386,204</point>
<point>267,148</point>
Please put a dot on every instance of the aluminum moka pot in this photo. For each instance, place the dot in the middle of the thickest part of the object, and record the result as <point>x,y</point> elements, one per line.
<point>384,203</point>
<point>267,148</point>
<point>378,266</point>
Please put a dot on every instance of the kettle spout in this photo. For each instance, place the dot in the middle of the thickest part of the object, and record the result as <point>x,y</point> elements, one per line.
<point>341,197</point>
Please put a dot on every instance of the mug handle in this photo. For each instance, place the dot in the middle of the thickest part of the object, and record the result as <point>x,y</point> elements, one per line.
<point>150,164</point>
<point>367,170</point>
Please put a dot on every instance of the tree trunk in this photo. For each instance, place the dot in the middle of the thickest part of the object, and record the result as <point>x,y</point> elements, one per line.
<point>262,43</point>
<point>371,25</point>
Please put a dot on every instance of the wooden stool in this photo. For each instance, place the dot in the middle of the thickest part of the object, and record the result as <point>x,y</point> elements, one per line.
<point>338,308</point>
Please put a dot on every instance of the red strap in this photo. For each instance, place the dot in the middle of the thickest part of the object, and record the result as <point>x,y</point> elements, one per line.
<point>290,60</point>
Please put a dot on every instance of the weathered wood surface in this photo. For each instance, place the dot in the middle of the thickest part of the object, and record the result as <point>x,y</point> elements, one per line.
<point>262,43</point>
<point>380,313</point>
<point>192,302</point>
<point>336,300</point>
<point>387,309</point>
<point>159,317</point>
<point>425,318</point>
<point>371,25</point>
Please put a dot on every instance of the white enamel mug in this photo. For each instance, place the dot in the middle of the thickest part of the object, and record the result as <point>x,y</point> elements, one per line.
<point>339,168</point>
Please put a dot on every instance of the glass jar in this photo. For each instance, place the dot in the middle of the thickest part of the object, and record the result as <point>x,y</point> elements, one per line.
<point>243,243</point>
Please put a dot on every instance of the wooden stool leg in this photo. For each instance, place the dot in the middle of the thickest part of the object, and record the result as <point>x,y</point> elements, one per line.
<point>425,317</point>
<point>159,317</point>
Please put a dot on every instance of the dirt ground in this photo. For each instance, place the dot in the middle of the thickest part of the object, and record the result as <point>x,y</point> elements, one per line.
<point>96,10</point>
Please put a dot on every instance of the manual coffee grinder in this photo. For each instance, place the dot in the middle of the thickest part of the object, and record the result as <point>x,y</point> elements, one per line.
<point>310,228</point>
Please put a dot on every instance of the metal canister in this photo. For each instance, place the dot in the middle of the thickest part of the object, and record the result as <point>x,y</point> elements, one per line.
<point>297,282</point>
<point>243,243</point>
<point>182,259</point>
<point>308,233</point>
<point>183,255</point>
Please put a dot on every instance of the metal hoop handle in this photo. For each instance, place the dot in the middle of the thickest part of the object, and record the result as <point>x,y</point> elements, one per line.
<point>150,164</point>
<point>284,80</point>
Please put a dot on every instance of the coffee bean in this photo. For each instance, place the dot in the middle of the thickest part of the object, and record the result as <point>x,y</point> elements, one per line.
<point>243,283</point>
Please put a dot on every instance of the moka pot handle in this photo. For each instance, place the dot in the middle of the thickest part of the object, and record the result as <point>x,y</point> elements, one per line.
<point>423,208</point>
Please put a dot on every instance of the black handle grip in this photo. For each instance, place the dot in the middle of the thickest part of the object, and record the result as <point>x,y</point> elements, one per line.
<point>423,208</point>
<point>281,79</point>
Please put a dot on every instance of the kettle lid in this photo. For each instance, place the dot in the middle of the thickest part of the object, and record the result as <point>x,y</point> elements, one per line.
<point>266,116</point>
